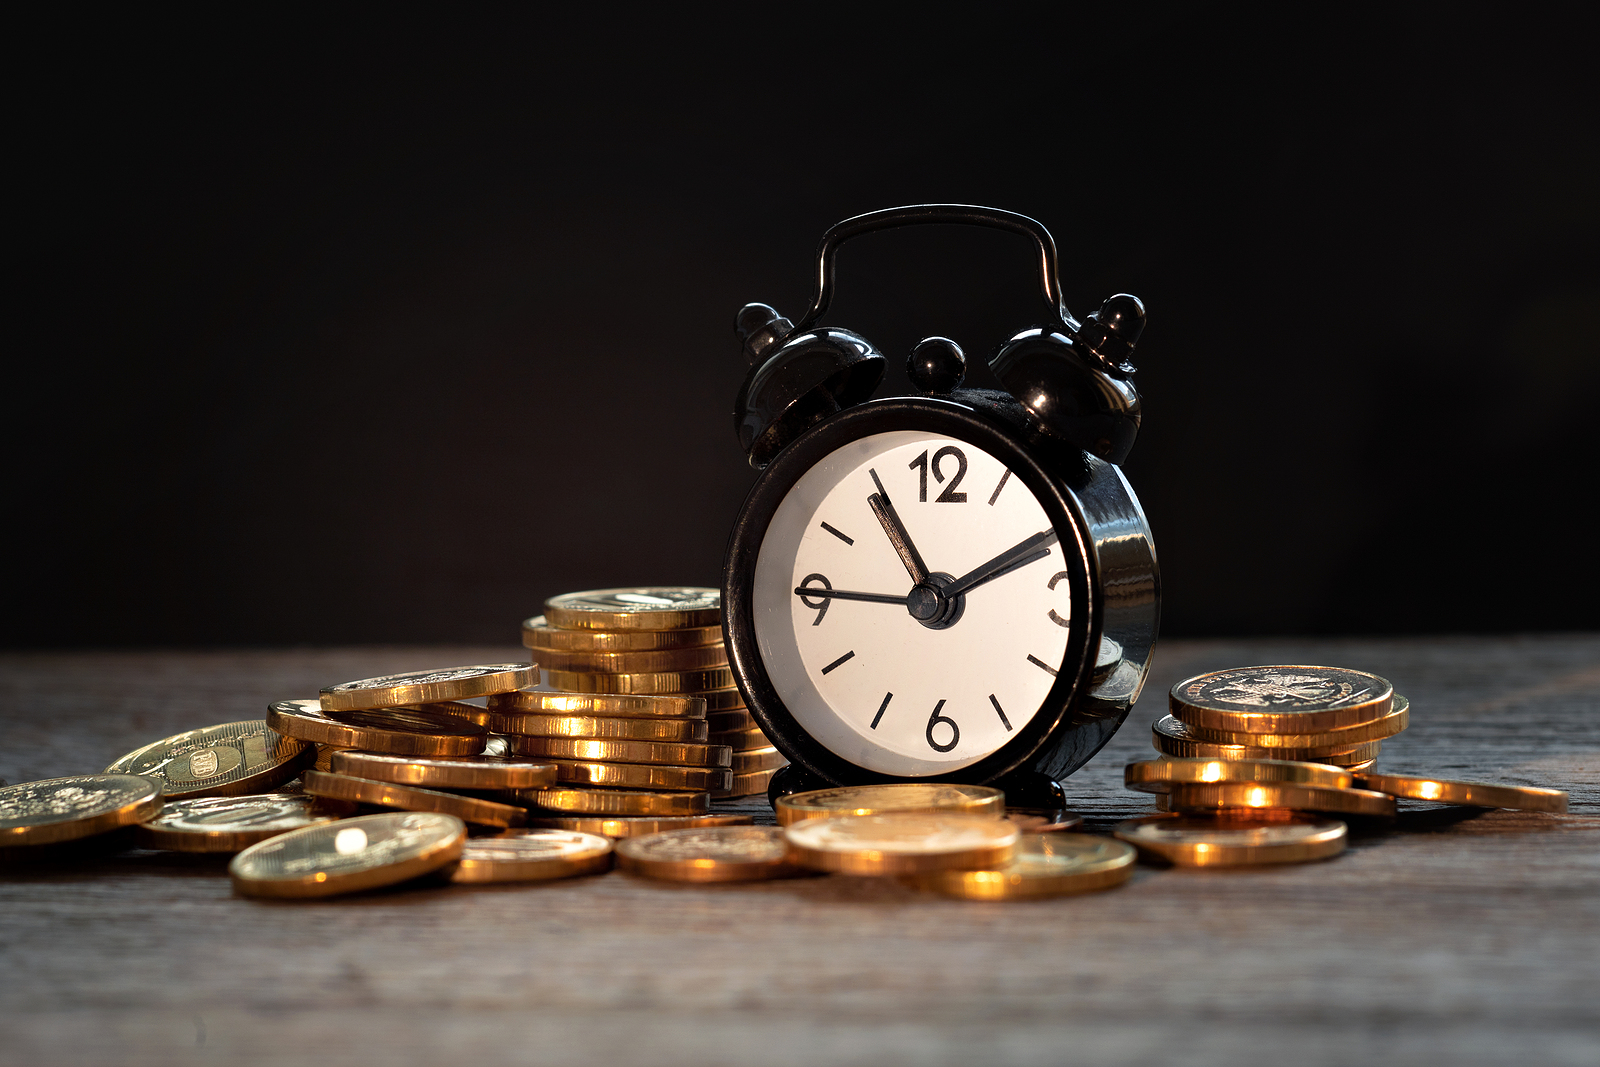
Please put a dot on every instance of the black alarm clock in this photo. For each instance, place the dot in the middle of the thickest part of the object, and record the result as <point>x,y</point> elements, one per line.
<point>958,586</point>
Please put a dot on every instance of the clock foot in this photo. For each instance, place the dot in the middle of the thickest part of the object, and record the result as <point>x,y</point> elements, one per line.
<point>1031,791</point>
<point>793,779</point>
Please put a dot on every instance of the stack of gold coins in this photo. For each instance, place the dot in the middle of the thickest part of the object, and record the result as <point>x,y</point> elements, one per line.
<point>1329,715</point>
<point>663,641</point>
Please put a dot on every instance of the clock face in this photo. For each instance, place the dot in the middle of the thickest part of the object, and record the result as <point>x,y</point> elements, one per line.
<point>893,673</point>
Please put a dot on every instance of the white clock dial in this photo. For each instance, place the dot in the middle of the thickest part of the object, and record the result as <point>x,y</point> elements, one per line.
<point>865,677</point>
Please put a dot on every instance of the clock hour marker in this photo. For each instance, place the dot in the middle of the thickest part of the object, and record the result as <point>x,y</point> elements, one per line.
<point>886,698</point>
<point>1035,660</point>
<point>846,538</point>
<point>996,494</point>
<point>998,710</point>
<point>851,653</point>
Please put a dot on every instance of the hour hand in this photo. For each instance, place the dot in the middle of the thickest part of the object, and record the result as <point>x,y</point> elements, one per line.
<point>898,537</point>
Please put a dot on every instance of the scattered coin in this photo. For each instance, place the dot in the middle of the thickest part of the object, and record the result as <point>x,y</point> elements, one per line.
<point>596,726</point>
<point>1045,865</point>
<point>1281,699</point>
<point>509,706</point>
<point>1344,738</point>
<point>652,608</point>
<point>1205,796</point>
<point>903,843</point>
<point>627,826</point>
<point>667,659</point>
<point>886,799</point>
<point>1476,794</point>
<point>1041,822</point>
<point>1175,739</point>
<point>1158,775</point>
<point>1234,839</point>
<point>616,801</point>
<point>427,687</point>
<point>462,772</point>
<point>226,760</point>
<point>680,754</point>
<point>349,855</point>
<point>412,798</point>
<point>641,684</point>
<point>399,731</point>
<point>228,824</point>
<point>711,854</point>
<point>645,776</point>
<point>65,809</point>
<point>532,856</point>
<point>538,634</point>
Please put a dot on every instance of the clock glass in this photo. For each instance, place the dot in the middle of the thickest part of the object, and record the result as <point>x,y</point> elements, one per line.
<point>911,603</point>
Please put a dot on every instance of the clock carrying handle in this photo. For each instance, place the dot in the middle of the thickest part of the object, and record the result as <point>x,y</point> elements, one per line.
<point>917,214</point>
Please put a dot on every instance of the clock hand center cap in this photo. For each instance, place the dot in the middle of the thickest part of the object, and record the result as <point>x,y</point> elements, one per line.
<point>928,605</point>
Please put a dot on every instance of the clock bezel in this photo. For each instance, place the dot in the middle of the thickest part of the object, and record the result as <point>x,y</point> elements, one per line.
<point>929,415</point>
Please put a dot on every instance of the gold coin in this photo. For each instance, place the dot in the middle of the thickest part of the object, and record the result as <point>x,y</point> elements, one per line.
<point>1357,768</point>
<point>461,710</point>
<point>667,659</point>
<point>1176,739</point>
<point>710,854</point>
<point>616,801</point>
<point>1234,839</point>
<point>226,760</point>
<point>398,731</point>
<point>1281,699</point>
<point>1205,796</point>
<point>1158,775</point>
<point>634,825</point>
<point>740,740</point>
<point>903,843</point>
<point>532,856</point>
<point>65,809</point>
<point>427,687</point>
<point>412,798</point>
<point>886,799</point>
<point>1359,760</point>
<point>645,776</point>
<point>538,634</point>
<point>678,754</point>
<point>726,699</point>
<point>228,824</point>
<point>598,726</point>
<point>1043,822</point>
<point>349,855</point>
<point>653,608</point>
<point>1474,794</point>
<point>462,772</point>
<point>325,753</point>
<point>1045,865</point>
<point>748,784</point>
<point>610,705</point>
<point>643,684</point>
<point>1398,719</point>
<point>758,759</point>
<point>738,719</point>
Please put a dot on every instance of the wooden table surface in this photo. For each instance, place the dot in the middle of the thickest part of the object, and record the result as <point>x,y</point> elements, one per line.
<point>1456,937</point>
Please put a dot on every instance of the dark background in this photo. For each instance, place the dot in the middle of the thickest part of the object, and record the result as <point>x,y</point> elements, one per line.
<point>383,326</point>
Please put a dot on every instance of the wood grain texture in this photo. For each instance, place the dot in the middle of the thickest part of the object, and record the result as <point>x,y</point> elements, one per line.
<point>1455,937</point>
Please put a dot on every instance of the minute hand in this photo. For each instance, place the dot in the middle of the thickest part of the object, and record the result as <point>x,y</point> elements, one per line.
<point>1019,555</point>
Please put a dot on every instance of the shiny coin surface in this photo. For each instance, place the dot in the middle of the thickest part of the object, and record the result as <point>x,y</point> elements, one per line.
<point>325,753</point>
<point>748,784</point>
<point>228,824</point>
<point>1158,775</point>
<point>758,759</point>
<point>65,809</point>
<point>1474,794</point>
<point>650,608</point>
<point>1045,865</point>
<point>1043,822</point>
<point>226,760</point>
<point>622,826</point>
<point>885,799</point>
<point>644,776</point>
<point>427,687</point>
<point>461,710</point>
<point>532,856</point>
<point>1176,739</point>
<point>1281,699</point>
<point>1359,760</point>
<point>411,798</point>
<point>349,855</point>
<point>1206,796</point>
<point>1346,737</point>
<point>398,731</point>
<point>1234,839</point>
<point>878,845</point>
<point>710,854</point>
<point>729,699</point>
<point>680,754</point>
<point>539,634</point>
<point>646,684</point>
<point>507,706</point>
<point>667,659</point>
<point>740,740</point>
<point>599,726</point>
<point>463,772</point>
<point>575,801</point>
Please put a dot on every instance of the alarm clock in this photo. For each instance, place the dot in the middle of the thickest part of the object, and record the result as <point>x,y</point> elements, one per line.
<point>958,586</point>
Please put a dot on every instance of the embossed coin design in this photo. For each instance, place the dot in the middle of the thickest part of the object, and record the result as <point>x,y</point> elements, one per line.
<point>652,608</point>
<point>532,856</point>
<point>65,809</point>
<point>228,824</point>
<point>397,731</point>
<point>879,845</point>
<point>680,754</point>
<point>1206,796</point>
<point>1176,739</point>
<point>887,799</point>
<point>460,773</point>
<point>1474,794</point>
<point>1046,865</point>
<point>1158,775</point>
<point>226,760</point>
<point>412,798</point>
<point>508,706</point>
<point>1281,699</point>
<point>349,855</point>
<point>1234,839</point>
<point>1346,737</point>
<point>710,854</point>
<point>538,634</point>
<point>617,801</point>
<point>426,687</point>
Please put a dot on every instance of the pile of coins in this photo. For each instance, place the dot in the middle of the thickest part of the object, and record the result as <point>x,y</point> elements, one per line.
<point>652,642</point>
